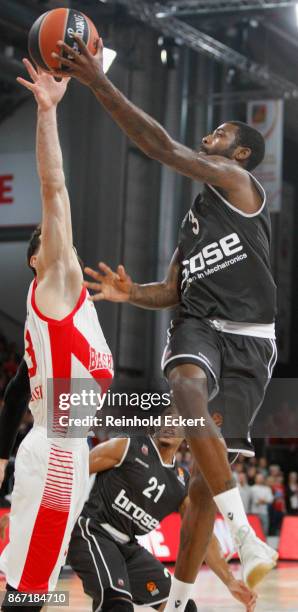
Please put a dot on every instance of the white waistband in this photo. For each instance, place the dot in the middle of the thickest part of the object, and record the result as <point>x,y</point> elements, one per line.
<point>123,538</point>
<point>66,443</point>
<point>259,330</point>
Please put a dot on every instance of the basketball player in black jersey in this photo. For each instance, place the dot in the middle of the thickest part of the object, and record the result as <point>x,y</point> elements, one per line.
<point>225,326</point>
<point>130,500</point>
<point>138,483</point>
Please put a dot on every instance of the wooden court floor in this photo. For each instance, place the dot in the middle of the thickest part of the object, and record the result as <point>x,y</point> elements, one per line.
<point>278,592</point>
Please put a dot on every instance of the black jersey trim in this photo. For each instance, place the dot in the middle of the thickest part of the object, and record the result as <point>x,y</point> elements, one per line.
<point>237,210</point>
<point>124,454</point>
<point>165,465</point>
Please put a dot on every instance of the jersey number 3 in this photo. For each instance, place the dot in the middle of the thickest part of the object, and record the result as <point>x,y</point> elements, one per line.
<point>153,486</point>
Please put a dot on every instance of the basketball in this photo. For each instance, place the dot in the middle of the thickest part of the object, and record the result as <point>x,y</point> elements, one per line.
<point>59,24</point>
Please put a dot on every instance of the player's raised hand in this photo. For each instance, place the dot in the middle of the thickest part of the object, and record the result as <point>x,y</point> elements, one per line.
<point>81,64</point>
<point>112,286</point>
<point>242,593</point>
<point>47,91</point>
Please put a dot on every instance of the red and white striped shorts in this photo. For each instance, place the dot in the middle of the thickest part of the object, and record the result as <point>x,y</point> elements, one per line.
<point>51,485</point>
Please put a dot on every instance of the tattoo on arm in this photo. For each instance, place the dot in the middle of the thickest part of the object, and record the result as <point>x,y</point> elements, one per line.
<point>154,296</point>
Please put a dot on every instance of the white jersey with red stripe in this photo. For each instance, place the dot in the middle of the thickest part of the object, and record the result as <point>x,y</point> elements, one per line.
<point>62,355</point>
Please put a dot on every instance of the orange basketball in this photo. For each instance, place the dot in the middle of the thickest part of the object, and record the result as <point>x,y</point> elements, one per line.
<point>59,24</point>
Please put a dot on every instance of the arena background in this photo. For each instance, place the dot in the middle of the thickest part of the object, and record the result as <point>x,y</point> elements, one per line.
<point>221,60</point>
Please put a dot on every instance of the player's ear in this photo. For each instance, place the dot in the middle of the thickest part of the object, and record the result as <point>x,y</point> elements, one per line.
<point>33,262</point>
<point>242,154</point>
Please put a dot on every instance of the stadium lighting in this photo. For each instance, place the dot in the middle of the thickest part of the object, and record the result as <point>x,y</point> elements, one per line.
<point>109,56</point>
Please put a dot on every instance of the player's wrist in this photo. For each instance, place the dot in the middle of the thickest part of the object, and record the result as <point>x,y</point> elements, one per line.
<point>132,293</point>
<point>48,110</point>
<point>97,81</point>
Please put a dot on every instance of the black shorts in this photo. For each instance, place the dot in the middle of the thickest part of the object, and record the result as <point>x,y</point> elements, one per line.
<point>128,569</point>
<point>238,370</point>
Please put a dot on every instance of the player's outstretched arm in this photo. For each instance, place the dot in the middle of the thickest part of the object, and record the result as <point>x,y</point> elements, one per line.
<point>107,455</point>
<point>220,567</point>
<point>142,129</point>
<point>118,287</point>
<point>56,217</point>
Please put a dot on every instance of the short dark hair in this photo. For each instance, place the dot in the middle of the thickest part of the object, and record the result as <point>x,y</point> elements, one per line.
<point>248,136</point>
<point>33,246</point>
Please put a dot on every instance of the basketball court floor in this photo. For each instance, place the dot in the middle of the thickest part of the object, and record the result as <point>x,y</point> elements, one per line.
<point>279,592</point>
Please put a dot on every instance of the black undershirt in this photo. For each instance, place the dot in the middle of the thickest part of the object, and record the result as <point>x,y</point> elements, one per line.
<point>16,399</point>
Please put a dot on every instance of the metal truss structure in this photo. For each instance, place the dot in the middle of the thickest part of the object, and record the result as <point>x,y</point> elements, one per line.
<point>201,7</point>
<point>186,35</point>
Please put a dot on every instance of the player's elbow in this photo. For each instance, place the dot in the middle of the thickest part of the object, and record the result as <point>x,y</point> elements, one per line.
<point>161,147</point>
<point>52,185</point>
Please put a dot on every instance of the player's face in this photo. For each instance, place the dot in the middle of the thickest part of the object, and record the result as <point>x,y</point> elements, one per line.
<point>221,142</point>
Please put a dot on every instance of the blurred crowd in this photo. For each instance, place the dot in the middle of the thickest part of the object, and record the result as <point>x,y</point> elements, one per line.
<point>267,491</point>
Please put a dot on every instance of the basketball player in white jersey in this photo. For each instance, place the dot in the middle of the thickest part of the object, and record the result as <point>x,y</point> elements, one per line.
<point>63,340</point>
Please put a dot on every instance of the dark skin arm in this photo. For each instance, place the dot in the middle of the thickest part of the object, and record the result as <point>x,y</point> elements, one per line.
<point>153,139</point>
<point>118,287</point>
<point>107,455</point>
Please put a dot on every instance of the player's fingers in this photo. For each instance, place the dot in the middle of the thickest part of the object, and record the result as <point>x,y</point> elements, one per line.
<point>26,84</point>
<point>122,272</point>
<point>106,269</point>
<point>69,50</point>
<point>93,273</point>
<point>92,286</point>
<point>63,60</point>
<point>81,44</point>
<point>31,70</point>
<point>97,297</point>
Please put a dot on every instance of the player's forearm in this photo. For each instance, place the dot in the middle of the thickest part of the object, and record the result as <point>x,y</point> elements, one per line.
<point>142,129</point>
<point>49,155</point>
<point>216,562</point>
<point>154,296</point>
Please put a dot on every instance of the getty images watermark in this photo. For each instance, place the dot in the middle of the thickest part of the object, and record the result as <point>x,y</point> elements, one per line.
<point>143,401</point>
<point>76,406</point>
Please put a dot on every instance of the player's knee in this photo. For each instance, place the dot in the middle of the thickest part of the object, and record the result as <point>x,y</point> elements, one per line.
<point>187,386</point>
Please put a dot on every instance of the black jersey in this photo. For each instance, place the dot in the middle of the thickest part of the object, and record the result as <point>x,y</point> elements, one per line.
<point>135,496</point>
<point>225,258</point>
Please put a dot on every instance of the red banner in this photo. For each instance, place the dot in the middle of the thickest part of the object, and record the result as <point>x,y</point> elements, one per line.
<point>163,542</point>
<point>288,543</point>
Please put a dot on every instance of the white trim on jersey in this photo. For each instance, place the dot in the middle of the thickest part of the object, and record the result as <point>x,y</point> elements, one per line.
<point>237,210</point>
<point>117,535</point>
<point>165,465</point>
<point>256,330</point>
<point>95,565</point>
<point>124,454</point>
<point>104,562</point>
